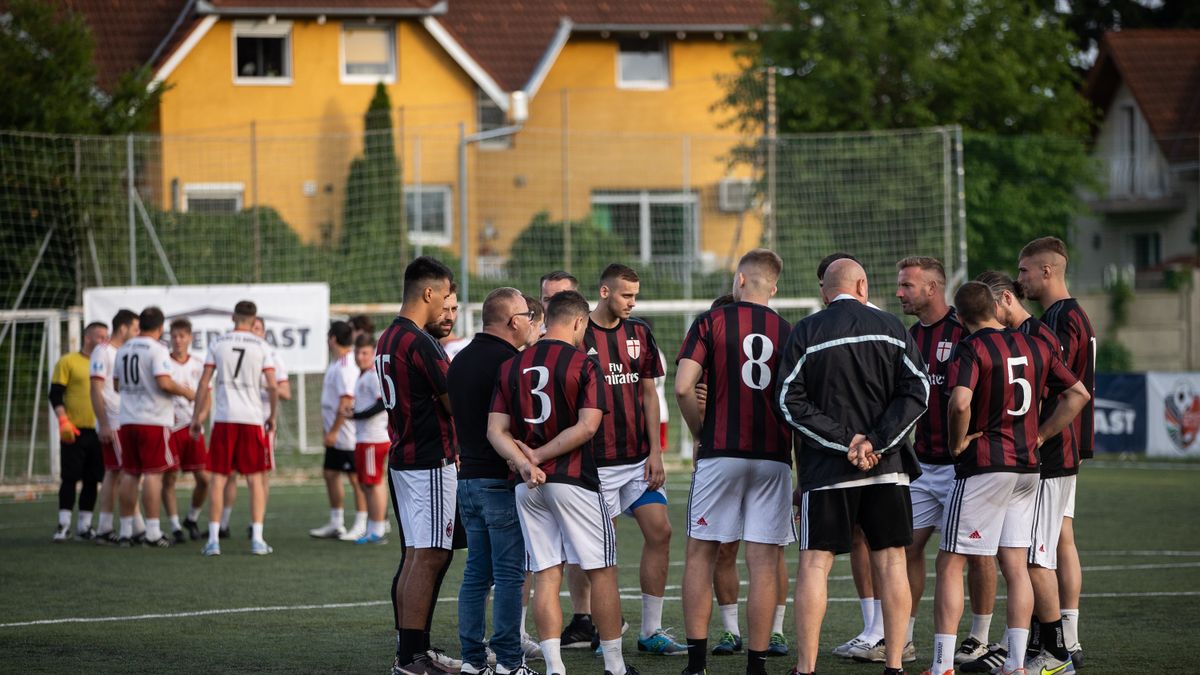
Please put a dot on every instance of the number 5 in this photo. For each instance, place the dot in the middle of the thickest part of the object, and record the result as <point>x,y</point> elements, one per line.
<point>1026,390</point>
<point>388,388</point>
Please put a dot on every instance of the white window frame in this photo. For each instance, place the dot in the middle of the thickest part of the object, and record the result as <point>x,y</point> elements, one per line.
<point>264,29</point>
<point>645,199</point>
<point>501,143</point>
<point>348,78</point>
<point>430,238</point>
<point>646,85</point>
<point>215,191</point>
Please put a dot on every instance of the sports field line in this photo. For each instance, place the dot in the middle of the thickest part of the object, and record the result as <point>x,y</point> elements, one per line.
<point>376,603</point>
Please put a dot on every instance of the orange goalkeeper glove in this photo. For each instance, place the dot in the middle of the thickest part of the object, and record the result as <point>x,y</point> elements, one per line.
<point>67,431</point>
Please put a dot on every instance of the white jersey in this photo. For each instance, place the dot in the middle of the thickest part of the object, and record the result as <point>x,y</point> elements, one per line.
<point>373,429</point>
<point>660,386</point>
<point>101,368</point>
<point>453,347</point>
<point>238,358</point>
<point>139,362</point>
<point>281,375</point>
<point>340,379</point>
<point>188,374</point>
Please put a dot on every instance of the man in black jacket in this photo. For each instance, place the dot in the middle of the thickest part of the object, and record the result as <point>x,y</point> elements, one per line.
<point>853,383</point>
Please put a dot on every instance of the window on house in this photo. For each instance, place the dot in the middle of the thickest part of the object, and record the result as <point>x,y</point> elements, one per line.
<point>427,211</point>
<point>213,197</point>
<point>262,52</point>
<point>491,116</point>
<point>642,63</point>
<point>368,54</point>
<point>657,226</point>
<point>1147,250</point>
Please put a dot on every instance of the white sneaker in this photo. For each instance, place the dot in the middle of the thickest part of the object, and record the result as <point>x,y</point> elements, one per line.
<point>878,654</point>
<point>327,531</point>
<point>62,533</point>
<point>353,534</point>
<point>969,650</point>
<point>531,649</point>
<point>1045,662</point>
<point>446,664</point>
<point>864,651</point>
<point>845,649</point>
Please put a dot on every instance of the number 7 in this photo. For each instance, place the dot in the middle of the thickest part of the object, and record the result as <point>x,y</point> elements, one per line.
<point>241,355</point>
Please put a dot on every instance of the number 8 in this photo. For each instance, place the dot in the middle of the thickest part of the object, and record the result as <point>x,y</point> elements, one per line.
<point>755,372</point>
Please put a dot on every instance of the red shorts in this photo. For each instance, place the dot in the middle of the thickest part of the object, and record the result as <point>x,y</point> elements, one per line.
<point>238,447</point>
<point>112,453</point>
<point>370,462</point>
<point>190,455</point>
<point>145,448</point>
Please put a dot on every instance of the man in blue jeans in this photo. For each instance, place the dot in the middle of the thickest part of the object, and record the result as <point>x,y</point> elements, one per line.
<point>496,549</point>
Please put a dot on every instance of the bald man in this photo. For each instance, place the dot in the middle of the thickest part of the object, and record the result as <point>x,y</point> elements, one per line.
<point>852,383</point>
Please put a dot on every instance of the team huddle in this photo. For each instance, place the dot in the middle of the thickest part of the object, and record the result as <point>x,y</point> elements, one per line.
<point>545,427</point>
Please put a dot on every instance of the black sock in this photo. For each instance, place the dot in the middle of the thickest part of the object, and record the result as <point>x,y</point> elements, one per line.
<point>1035,635</point>
<point>756,662</point>
<point>893,671</point>
<point>1053,641</point>
<point>410,645</point>
<point>697,655</point>
<point>581,617</point>
<point>425,641</point>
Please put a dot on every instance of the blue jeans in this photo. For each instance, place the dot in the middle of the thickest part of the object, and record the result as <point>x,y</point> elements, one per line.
<point>495,554</point>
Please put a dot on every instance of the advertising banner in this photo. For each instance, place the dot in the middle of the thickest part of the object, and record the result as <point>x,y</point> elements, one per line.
<point>1121,413</point>
<point>1173,414</point>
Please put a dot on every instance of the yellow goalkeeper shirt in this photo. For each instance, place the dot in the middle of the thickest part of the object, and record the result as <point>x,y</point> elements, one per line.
<point>72,372</point>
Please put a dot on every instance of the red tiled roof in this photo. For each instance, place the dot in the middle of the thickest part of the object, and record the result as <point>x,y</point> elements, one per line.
<point>508,38</point>
<point>1162,70</point>
<point>331,6</point>
<point>127,32</point>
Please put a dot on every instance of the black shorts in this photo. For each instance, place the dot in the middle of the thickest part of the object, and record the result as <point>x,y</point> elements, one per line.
<point>826,518</point>
<point>82,459</point>
<point>339,460</point>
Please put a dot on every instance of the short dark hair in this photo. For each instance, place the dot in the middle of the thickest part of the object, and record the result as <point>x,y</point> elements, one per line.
<point>765,261</point>
<point>421,271</point>
<point>342,333</point>
<point>926,263</point>
<point>721,301</point>
<point>1044,245</point>
<point>151,319</point>
<point>832,258</point>
<point>975,302</point>
<point>495,305</point>
<point>122,319</point>
<point>364,340</point>
<point>246,309</point>
<point>1000,282</point>
<point>566,306</point>
<point>535,305</point>
<point>559,275</point>
<point>618,271</point>
<point>182,323</point>
<point>95,324</point>
<point>362,322</point>
<point>453,288</point>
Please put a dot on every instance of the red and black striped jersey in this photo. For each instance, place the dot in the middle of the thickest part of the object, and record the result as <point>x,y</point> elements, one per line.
<point>1007,372</point>
<point>627,354</point>
<point>738,347</point>
<point>542,390</point>
<point>1074,330</point>
<point>412,376</point>
<point>936,342</point>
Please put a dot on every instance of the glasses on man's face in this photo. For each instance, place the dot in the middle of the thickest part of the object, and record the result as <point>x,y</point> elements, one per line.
<point>527,315</point>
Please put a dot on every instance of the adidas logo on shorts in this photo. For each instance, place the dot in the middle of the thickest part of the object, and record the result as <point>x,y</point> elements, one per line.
<point>975,535</point>
<point>702,521</point>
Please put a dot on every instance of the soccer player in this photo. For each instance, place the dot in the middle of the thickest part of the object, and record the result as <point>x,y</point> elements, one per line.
<point>921,289</point>
<point>742,486</point>
<point>106,404</point>
<point>371,442</point>
<point>555,282</point>
<point>421,474</point>
<point>539,318</point>
<point>143,378</point>
<point>362,325</point>
<point>1056,573</point>
<point>337,394</point>
<point>548,403</point>
<point>451,343</point>
<point>237,360</point>
<point>997,377</point>
<point>191,453</point>
<point>70,396</point>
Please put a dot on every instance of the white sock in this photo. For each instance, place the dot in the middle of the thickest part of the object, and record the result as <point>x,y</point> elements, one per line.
<point>360,520</point>
<point>943,653</point>
<point>1070,619</point>
<point>376,527</point>
<point>84,521</point>
<point>552,652</point>
<point>613,663</point>
<point>912,623</point>
<point>337,517</point>
<point>867,607</point>
<point>875,632</point>
<point>729,617</point>
<point>225,514</point>
<point>214,532</point>
<point>193,513</point>
<point>126,527</point>
<point>981,624</point>
<point>175,526</point>
<point>139,523</point>
<point>64,518</point>
<point>153,530</point>
<point>256,531</point>
<point>106,518</point>
<point>651,614</point>
<point>780,611</point>
<point>1018,639</point>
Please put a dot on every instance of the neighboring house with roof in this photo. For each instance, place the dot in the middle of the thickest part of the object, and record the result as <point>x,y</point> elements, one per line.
<point>1146,83</point>
<point>622,80</point>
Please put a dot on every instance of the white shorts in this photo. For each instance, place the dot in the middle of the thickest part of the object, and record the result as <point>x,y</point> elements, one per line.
<point>734,499</point>
<point>565,523</point>
<point>1055,497</point>
<point>930,495</point>
<point>623,485</point>
<point>990,510</point>
<point>424,503</point>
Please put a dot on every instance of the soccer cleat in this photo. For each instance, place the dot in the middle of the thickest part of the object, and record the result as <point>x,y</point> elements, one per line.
<point>85,535</point>
<point>139,537</point>
<point>868,654</point>
<point>106,538</point>
<point>124,542</point>
<point>629,670</point>
<point>327,531</point>
<point>909,654</point>
<point>439,660</point>
<point>178,537</point>
<point>211,549</point>
<point>468,669</point>
<point>578,633</point>
<point>161,542</point>
<point>530,649</point>
<point>778,646</point>
<point>991,662</point>
<point>969,650</point>
<point>260,548</point>
<point>192,528</point>
<point>844,650</point>
<point>523,670</point>
<point>61,533</point>
<point>1046,663</point>
<point>728,644</point>
<point>660,642</point>
<point>353,534</point>
<point>371,539</point>
<point>1077,657</point>
<point>420,666</point>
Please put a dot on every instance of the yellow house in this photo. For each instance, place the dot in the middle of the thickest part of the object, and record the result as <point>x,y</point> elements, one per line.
<point>604,108</point>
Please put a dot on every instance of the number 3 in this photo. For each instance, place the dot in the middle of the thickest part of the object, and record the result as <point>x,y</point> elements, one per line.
<point>543,379</point>
<point>755,373</point>
<point>1026,390</point>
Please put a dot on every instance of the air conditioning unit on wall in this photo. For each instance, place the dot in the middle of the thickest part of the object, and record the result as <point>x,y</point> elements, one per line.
<point>734,195</point>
